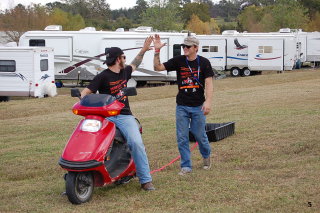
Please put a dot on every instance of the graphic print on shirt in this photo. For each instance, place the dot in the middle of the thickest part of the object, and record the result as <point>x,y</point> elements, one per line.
<point>115,88</point>
<point>188,82</point>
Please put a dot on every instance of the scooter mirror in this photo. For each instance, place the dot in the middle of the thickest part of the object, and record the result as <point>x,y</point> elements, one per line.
<point>75,92</point>
<point>129,91</point>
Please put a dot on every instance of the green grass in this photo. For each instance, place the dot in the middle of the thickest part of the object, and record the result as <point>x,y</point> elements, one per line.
<point>270,164</point>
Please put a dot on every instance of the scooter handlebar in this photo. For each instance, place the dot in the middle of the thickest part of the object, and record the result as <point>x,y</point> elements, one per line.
<point>75,92</point>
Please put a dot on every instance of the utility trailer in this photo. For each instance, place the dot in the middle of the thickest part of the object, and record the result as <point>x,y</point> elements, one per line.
<point>26,71</point>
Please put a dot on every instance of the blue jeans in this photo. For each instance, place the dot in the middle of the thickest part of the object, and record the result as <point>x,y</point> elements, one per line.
<point>193,118</point>
<point>130,130</point>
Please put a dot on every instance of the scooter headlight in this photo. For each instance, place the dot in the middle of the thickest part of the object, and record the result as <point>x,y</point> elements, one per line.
<point>90,125</point>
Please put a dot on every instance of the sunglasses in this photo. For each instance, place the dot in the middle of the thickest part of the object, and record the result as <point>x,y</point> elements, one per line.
<point>187,46</point>
<point>123,56</point>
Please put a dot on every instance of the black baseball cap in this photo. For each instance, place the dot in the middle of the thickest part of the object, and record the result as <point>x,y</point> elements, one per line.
<point>112,54</point>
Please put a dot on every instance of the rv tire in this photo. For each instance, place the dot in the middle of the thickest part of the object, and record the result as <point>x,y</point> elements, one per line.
<point>246,72</point>
<point>235,72</point>
<point>4,98</point>
<point>141,83</point>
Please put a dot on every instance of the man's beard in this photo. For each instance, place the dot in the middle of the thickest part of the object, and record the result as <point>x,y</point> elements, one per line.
<point>122,65</point>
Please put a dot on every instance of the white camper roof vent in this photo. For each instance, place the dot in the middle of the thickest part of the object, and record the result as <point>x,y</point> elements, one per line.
<point>88,29</point>
<point>285,30</point>
<point>143,29</point>
<point>53,28</point>
<point>230,32</point>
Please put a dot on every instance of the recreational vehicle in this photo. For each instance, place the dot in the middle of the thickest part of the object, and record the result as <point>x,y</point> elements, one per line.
<point>313,47</point>
<point>71,47</point>
<point>308,44</point>
<point>26,71</point>
<point>245,53</point>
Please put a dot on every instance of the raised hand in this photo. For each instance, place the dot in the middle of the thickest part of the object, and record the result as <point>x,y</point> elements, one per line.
<point>157,42</point>
<point>147,43</point>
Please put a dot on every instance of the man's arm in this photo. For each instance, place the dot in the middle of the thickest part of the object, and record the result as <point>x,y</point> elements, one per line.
<point>158,66</point>
<point>138,59</point>
<point>156,62</point>
<point>85,92</point>
<point>208,93</point>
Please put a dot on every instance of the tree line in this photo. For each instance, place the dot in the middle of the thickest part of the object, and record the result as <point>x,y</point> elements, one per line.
<point>198,16</point>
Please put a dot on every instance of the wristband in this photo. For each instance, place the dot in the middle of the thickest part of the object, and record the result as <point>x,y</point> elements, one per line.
<point>157,50</point>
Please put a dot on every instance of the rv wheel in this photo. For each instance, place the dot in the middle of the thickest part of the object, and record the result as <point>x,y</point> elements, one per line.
<point>141,83</point>
<point>246,72</point>
<point>4,98</point>
<point>235,72</point>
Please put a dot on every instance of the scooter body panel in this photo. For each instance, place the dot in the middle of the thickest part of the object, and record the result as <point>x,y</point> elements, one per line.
<point>87,146</point>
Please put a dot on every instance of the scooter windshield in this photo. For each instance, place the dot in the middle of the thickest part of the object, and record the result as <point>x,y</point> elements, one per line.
<point>97,100</point>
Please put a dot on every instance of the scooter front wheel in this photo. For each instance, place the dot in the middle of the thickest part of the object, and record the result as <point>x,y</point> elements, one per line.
<point>79,187</point>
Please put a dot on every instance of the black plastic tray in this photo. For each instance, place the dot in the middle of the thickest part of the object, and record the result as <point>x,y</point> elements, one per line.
<point>216,131</point>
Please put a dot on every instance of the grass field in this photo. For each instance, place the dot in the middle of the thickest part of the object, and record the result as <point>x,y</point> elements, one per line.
<point>270,164</point>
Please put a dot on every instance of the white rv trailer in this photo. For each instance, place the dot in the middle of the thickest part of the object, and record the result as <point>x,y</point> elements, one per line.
<point>313,47</point>
<point>26,71</point>
<point>308,44</point>
<point>234,56</point>
<point>71,47</point>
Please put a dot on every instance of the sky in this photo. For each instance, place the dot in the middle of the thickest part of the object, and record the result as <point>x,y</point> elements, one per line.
<point>114,4</point>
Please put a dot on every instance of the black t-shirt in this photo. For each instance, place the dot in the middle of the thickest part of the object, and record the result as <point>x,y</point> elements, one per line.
<point>108,82</point>
<point>191,93</point>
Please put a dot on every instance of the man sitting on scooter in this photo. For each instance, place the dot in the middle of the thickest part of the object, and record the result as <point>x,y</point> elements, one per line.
<point>111,81</point>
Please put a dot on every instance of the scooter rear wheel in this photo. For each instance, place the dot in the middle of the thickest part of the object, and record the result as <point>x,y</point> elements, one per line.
<point>79,187</point>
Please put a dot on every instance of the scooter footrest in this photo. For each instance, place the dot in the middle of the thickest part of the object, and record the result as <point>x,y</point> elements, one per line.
<point>74,165</point>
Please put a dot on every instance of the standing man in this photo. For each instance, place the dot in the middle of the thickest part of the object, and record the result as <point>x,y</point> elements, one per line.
<point>111,81</point>
<point>195,84</point>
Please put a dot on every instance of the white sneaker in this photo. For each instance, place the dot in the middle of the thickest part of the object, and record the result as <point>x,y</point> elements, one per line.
<point>184,171</point>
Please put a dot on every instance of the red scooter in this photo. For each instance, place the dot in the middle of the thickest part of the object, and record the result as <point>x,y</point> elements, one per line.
<point>96,153</point>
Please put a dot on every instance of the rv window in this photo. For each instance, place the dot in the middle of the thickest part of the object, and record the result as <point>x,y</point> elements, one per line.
<point>205,49</point>
<point>44,65</point>
<point>7,66</point>
<point>176,50</point>
<point>214,49</point>
<point>268,49</point>
<point>265,49</point>
<point>37,43</point>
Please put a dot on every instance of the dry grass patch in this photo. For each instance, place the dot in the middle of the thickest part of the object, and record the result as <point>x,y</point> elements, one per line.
<point>270,164</point>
